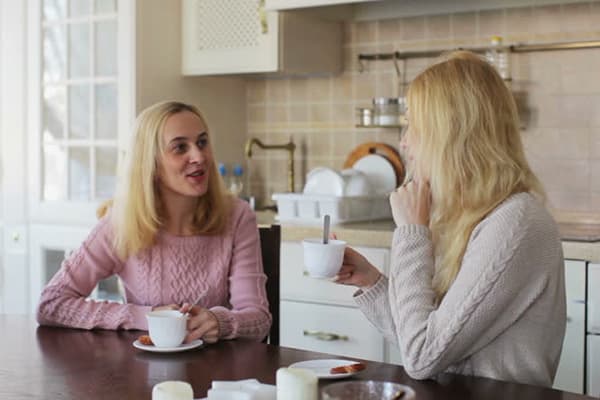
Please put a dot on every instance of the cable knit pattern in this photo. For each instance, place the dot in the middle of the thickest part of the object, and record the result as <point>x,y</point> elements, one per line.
<point>508,295</point>
<point>226,270</point>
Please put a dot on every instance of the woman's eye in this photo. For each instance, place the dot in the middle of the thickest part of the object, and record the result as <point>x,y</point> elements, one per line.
<point>202,143</point>
<point>180,148</point>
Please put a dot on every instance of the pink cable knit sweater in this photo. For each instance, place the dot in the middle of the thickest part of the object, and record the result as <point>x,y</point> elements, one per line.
<point>227,268</point>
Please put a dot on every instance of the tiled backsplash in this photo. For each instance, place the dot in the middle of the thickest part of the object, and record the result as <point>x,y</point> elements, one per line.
<point>559,91</point>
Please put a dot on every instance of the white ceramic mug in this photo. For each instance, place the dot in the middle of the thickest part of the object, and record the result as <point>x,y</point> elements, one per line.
<point>323,260</point>
<point>167,328</point>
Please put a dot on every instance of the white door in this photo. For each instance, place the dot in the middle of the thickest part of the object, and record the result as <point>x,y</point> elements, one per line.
<point>70,113</point>
<point>570,372</point>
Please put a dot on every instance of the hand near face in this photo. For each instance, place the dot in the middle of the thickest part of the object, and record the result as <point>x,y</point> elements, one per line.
<point>411,203</point>
<point>357,270</point>
<point>202,324</point>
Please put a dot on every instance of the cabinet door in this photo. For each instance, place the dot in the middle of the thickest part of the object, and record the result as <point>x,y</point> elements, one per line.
<point>233,36</point>
<point>329,329</point>
<point>297,285</point>
<point>593,316</point>
<point>593,365</point>
<point>570,372</point>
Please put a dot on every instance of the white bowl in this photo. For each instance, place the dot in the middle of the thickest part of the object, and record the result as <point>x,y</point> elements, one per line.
<point>324,181</point>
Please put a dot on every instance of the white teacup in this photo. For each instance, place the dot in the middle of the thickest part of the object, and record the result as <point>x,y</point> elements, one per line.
<point>167,328</point>
<point>323,260</point>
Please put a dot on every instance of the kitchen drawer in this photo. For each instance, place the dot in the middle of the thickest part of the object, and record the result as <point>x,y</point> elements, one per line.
<point>295,285</point>
<point>343,331</point>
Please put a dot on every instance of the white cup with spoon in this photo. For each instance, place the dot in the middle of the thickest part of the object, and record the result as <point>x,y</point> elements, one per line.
<point>323,257</point>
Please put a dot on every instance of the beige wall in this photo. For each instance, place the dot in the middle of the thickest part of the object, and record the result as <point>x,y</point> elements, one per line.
<point>158,77</point>
<point>560,91</point>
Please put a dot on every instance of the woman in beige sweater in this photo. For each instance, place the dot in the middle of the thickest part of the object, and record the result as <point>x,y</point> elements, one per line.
<point>476,281</point>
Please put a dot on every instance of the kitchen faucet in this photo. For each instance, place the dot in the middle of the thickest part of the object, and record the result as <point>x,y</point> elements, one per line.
<point>289,146</point>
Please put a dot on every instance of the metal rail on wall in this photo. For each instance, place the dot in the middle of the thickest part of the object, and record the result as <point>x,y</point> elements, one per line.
<point>515,48</point>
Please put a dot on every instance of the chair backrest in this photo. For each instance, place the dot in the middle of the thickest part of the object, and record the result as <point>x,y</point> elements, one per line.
<point>270,242</point>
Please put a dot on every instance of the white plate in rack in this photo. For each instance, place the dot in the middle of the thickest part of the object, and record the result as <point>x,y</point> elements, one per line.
<point>380,172</point>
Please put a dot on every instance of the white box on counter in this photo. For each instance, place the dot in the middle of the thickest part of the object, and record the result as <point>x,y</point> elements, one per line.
<point>308,209</point>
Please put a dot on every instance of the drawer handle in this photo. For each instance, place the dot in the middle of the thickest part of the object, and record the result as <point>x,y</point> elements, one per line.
<point>320,335</point>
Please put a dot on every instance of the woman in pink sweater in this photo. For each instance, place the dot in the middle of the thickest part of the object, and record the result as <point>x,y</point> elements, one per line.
<point>174,236</point>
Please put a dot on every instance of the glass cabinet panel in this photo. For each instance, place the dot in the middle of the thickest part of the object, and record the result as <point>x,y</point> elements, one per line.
<point>79,132</point>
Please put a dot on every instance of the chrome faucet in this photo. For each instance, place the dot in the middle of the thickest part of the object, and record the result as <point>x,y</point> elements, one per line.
<point>289,146</point>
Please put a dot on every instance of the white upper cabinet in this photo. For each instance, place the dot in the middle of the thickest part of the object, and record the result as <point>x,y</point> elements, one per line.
<point>239,36</point>
<point>289,4</point>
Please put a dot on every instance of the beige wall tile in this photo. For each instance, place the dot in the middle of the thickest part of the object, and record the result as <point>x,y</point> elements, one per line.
<point>518,20</point>
<point>595,176</point>
<point>595,142</point>
<point>575,111</point>
<point>299,113</point>
<point>348,30</point>
<point>344,114</point>
<point>256,90</point>
<point>547,19</point>
<point>594,206</point>
<point>464,24</point>
<point>563,175</point>
<point>319,113</point>
<point>277,90</point>
<point>298,90</point>
<point>387,85</point>
<point>388,30</point>
<point>320,145</point>
<point>569,201</point>
<point>366,32</point>
<point>580,71</point>
<point>412,28</point>
<point>364,87</point>
<point>491,22</point>
<point>342,88</point>
<point>571,143</point>
<point>319,89</point>
<point>277,114</point>
<point>257,113</point>
<point>576,17</point>
<point>437,27</point>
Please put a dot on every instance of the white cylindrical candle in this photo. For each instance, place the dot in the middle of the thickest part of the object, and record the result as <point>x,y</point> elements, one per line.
<point>172,390</point>
<point>296,384</point>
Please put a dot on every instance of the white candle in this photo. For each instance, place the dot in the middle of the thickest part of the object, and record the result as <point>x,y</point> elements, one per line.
<point>172,390</point>
<point>296,384</point>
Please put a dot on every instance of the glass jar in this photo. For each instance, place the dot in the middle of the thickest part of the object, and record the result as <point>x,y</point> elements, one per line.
<point>387,110</point>
<point>364,116</point>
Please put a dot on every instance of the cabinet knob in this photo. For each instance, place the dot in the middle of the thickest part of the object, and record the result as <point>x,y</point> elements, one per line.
<point>327,336</point>
<point>16,237</point>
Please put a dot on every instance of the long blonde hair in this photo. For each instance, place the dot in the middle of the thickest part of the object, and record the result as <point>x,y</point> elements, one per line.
<point>136,214</point>
<point>467,142</point>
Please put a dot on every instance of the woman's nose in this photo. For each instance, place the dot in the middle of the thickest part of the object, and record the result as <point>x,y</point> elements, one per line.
<point>196,155</point>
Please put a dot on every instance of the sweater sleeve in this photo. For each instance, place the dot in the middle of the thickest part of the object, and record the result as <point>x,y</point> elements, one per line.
<point>64,300</point>
<point>249,316</point>
<point>495,286</point>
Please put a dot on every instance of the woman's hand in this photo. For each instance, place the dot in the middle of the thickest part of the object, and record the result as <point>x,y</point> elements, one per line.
<point>411,203</point>
<point>357,270</point>
<point>202,324</point>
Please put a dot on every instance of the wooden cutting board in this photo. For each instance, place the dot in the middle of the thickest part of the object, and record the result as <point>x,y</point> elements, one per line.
<point>378,148</point>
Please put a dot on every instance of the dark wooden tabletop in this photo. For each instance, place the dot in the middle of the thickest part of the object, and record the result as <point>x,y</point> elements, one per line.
<point>59,363</point>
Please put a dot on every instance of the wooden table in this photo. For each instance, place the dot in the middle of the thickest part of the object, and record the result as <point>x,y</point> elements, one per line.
<point>58,363</point>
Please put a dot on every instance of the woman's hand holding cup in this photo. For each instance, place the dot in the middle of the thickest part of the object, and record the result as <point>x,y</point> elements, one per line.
<point>357,270</point>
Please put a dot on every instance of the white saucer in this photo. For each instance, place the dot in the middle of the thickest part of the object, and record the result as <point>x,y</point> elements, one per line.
<point>321,368</point>
<point>183,347</point>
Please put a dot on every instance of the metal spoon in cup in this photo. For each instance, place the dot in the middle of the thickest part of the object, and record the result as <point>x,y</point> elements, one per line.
<point>326,222</point>
<point>194,303</point>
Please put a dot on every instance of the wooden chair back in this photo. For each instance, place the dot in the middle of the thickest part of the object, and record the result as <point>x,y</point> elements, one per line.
<point>270,244</point>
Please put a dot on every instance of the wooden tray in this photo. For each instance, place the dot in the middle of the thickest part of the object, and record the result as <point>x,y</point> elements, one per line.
<point>383,149</point>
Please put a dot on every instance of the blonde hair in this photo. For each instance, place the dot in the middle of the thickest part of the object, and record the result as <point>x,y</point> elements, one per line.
<point>467,142</point>
<point>136,214</point>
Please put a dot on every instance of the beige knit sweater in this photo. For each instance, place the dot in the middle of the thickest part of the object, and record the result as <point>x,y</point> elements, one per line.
<point>504,315</point>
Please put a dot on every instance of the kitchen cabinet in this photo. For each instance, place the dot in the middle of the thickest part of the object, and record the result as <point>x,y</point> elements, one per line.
<point>570,372</point>
<point>240,36</point>
<point>593,330</point>
<point>320,315</point>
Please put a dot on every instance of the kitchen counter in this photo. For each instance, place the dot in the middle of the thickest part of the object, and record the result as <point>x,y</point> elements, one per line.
<point>581,240</point>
